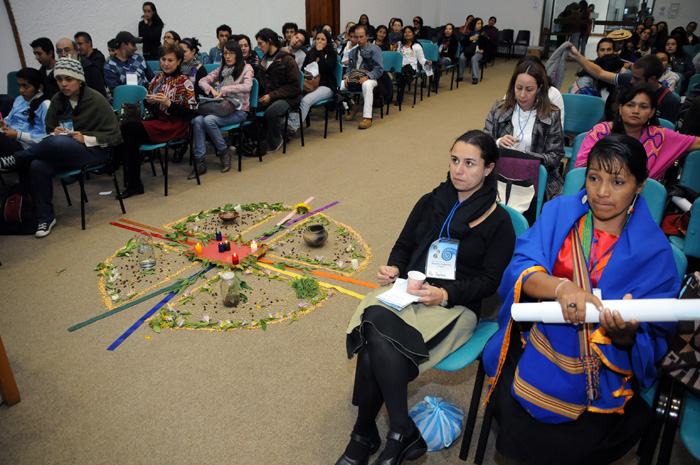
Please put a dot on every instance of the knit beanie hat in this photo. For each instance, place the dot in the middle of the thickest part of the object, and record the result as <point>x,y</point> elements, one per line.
<point>69,67</point>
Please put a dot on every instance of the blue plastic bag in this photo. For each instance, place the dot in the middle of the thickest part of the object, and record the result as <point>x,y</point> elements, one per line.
<point>440,422</point>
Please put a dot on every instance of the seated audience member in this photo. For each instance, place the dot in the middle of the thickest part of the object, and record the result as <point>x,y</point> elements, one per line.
<point>171,37</point>
<point>527,120</point>
<point>191,67</point>
<point>396,34</point>
<point>297,47</point>
<point>474,45</point>
<point>412,55</point>
<point>349,46</point>
<point>680,61</point>
<point>422,32</point>
<point>127,64</point>
<point>636,117</point>
<point>643,46</point>
<point>690,33</point>
<point>682,38</point>
<point>223,33</point>
<point>233,81</point>
<point>447,50</point>
<point>382,38</point>
<point>364,20</point>
<point>84,43</point>
<point>171,98</point>
<point>605,47</point>
<point>112,47</point>
<point>629,50</point>
<point>553,93</point>
<point>492,31</point>
<point>24,125</point>
<point>67,48</point>
<point>343,38</point>
<point>588,85</point>
<point>464,30</point>
<point>646,71</point>
<point>150,29</point>
<point>366,59</point>
<point>83,126</point>
<point>325,57</point>
<point>328,28</point>
<point>288,31</point>
<point>653,39</point>
<point>280,86</point>
<point>669,78</point>
<point>44,53</point>
<point>559,383</point>
<point>394,347</point>
<point>661,33</point>
<point>249,55</point>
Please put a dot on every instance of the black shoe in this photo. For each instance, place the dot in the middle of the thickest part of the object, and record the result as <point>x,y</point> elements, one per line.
<point>179,153</point>
<point>475,80</point>
<point>459,79</point>
<point>413,447</point>
<point>130,192</point>
<point>372,444</point>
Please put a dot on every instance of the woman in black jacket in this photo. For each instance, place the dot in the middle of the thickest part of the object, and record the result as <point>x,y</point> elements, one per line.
<point>326,58</point>
<point>150,29</point>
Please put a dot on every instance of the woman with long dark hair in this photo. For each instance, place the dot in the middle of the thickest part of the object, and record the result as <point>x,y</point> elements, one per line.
<point>171,97</point>
<point>24,125</point>
<point>191,66</point>
<point>527,120</point>
<point>680,61</point>
<point>458,225</point>
<point>150,29</point>
<point>364,20</point>
<point>473,45</point>
<point>232,81</point>
<point>636,117</point>
<point>381,39</point>
<point>326,61</point>
<point>412,55</point>
<point>558,384</point>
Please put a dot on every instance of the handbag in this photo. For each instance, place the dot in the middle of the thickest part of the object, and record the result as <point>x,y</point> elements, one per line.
<point>311,85</point>
<point>354,84</point>
<point>221,108</point>
<point>440,422</point>
<point>131,112</point>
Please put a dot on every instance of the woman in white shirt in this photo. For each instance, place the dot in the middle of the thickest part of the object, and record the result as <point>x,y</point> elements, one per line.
<point>412,52</point>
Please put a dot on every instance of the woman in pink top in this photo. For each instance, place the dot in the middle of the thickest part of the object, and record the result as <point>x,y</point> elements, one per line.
<point>637,118</point>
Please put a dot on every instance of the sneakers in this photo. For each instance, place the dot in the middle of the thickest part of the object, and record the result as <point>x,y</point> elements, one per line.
<point>352,111</point>
<point>366,123</point>
<point>44,229</point>
<point>7,162</point>
<point>276,149</point>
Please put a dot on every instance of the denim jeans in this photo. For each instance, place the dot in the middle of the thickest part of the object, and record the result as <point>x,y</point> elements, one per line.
<point>51,156</point>
<point>322,93</point>
<point>210,124</point>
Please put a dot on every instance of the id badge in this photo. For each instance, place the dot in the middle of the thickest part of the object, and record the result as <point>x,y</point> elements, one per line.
<point>132,79</point>
<point>442,259</point>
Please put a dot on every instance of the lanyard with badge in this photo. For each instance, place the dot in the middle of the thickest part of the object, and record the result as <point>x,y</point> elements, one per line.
<point>442,254</point>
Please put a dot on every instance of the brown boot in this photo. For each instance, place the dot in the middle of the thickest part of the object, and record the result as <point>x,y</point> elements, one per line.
<point>366,123</point>
<point>201,168</point>
<point>351,113</point>
<point>226,158</point>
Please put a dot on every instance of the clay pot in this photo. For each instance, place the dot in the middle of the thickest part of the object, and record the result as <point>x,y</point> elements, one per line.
<point>315,235</point>
<point>228,217</point>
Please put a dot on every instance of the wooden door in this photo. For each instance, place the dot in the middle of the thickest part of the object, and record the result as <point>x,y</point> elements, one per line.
<point>322,12</point>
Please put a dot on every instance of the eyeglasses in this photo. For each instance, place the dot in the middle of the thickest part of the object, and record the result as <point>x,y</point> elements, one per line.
<point>169,37</point>
<point>64,50</point>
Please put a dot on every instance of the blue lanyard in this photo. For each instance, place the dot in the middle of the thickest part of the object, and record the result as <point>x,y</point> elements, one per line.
<point>449,219</point>
<point>522,128</point>
<point>593,260</point>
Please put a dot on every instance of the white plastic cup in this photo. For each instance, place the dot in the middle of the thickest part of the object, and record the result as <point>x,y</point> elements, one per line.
<point>415,281</point>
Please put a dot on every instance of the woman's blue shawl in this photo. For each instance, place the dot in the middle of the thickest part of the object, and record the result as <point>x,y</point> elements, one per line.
<point>549,382</point>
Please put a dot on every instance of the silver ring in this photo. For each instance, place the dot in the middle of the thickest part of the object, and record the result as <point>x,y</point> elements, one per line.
<point>572,305</point>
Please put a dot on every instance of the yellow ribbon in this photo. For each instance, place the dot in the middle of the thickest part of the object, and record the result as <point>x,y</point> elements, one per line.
<point>321,283</point>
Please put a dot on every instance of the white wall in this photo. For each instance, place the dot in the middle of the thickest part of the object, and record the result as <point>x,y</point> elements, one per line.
<point>10,60</point>
<point>689,11</point>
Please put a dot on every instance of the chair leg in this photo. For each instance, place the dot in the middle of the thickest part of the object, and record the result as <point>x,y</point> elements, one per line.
<point>473,409</point>
<point>415,92</point>
<point>153,166</point>
<point>284,129</point>
<point>452,81</point>
<point>339,117</point>
<point>83,199</point>
<point>240,147</point>
<point>484,435</point>
<point>116,188</point>
<point>301,127</point>
<point>193,162</point>
<point>65,191</point>
<point>164,164</point>
<point>325,129</point>
<point>647,445</point>
<point>671,425</point>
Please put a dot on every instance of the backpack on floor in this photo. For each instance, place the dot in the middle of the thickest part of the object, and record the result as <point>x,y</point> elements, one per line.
<point>17,210</point>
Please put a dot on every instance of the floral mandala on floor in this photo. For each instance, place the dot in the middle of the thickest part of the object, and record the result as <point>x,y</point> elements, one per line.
<point>279,276</point>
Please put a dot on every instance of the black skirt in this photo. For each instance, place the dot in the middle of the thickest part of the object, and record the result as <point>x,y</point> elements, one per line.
<point>593,438</point>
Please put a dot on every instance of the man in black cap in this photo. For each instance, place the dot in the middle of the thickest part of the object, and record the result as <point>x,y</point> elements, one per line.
<point>127,66</point>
